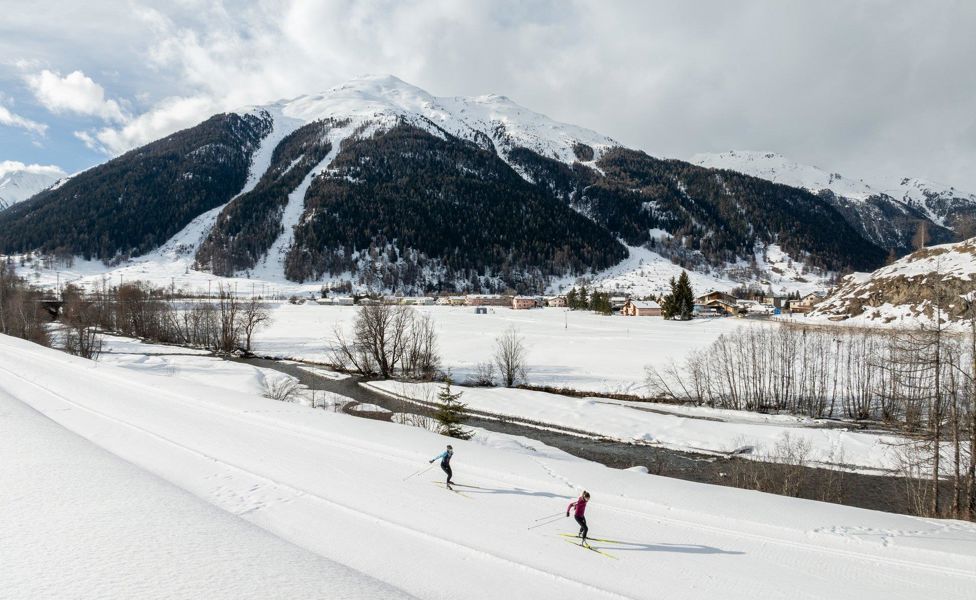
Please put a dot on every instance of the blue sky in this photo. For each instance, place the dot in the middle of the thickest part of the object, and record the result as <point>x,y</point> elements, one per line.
<point>872,89</point>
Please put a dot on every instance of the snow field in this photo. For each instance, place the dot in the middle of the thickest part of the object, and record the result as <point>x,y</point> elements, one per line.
<point>579,350</point>
<point>334,485</point>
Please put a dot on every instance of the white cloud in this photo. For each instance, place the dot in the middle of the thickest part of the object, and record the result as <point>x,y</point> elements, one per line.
<point>13,166</point>
<point>74,93</point>
<point>13,120</point>
<point>166,117</point>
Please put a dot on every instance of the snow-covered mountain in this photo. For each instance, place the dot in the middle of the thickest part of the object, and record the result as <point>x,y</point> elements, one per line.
<point>943,204</point>
<point>780,169</point>
<point>382,184</point>
<point>887,212</point>
<point>376,103</point>
<point>18,181</point>
<point>908,288</point>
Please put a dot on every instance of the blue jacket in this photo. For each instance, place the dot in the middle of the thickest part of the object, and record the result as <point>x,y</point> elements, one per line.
<point>445,456</point>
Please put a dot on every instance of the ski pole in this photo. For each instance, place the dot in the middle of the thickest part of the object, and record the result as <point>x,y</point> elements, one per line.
<point>424,470</point>
<point>545,523</point>
<point>548,516</point>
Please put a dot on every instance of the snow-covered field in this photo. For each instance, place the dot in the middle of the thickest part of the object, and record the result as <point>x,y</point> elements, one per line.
<point>695,429</point>
<point>573,349</point>
<point>337,488</point>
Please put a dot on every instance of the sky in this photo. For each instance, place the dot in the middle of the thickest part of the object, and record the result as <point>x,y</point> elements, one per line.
<point>870,89</point>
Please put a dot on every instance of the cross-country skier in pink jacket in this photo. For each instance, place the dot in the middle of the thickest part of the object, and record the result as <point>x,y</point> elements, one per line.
<point>580,504</point>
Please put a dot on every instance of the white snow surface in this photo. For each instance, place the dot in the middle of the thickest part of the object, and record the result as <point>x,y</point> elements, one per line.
<point>19,181</point>
<point>81,522</point>
<point>337,487</point>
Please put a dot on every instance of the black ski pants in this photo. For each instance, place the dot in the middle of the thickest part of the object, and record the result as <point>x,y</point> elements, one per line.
<point>583,528</point>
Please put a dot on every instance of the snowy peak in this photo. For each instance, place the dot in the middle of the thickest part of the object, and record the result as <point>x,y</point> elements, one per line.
<point>18,181</point>
<point>780,169</point>
<point>386,100</point>
<point>940,202</point>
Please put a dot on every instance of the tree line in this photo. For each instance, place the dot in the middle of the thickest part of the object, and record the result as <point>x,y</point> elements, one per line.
<point>921,382</point>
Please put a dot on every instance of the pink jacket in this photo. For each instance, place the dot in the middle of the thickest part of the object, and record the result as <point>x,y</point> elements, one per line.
<point>580,505</point>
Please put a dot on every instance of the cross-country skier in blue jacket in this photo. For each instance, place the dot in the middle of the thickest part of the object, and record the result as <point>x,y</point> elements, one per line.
<point>445,457</point>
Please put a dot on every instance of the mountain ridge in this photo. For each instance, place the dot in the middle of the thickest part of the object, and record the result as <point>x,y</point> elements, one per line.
<point>386,185</point>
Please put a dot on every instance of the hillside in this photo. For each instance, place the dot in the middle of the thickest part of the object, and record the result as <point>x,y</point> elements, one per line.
<point>381,184</point>
<point>908,289</point>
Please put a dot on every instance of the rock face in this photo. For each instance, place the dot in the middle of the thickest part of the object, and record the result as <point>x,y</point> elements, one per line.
<point>910,288</point>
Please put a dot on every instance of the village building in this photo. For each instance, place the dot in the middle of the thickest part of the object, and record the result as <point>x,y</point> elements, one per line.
<point>716,296</point>
<point>524,302</point>
<point>556,301</point>
<point>806,303</point>
<point>722,307</point>
<point>617,302</point>
<point>641,308</point>
<point>708,310</point>
<point>487,300</point>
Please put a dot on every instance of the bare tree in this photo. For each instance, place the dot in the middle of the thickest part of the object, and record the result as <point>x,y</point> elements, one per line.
<point>387,340</point>
<point>254,314</point>
<point>510,358</point>
<point>79,317</point>
<point>280,388</point>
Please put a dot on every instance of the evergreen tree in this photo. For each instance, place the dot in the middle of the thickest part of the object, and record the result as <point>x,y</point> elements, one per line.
<point>667,302</point>
<point>600,302</point>
<point>452,414</point>
<point>679,303</point>
<point>571,299</point>
<point>583,302</point>
<point>686,297</point>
